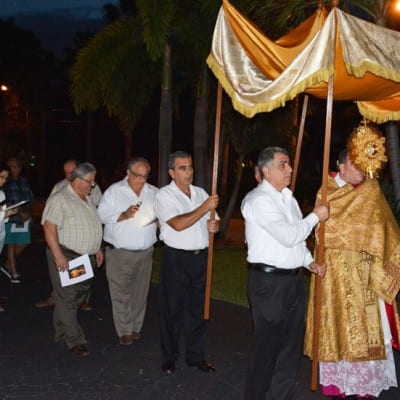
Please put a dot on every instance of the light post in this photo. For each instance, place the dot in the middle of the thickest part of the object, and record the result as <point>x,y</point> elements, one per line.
<point>384,9</point>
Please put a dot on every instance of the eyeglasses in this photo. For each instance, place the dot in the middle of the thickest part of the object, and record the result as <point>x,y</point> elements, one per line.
<point>139,175</point>
<point>91,183</point>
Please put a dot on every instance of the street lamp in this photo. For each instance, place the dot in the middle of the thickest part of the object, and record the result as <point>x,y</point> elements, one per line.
<point>4,88</point>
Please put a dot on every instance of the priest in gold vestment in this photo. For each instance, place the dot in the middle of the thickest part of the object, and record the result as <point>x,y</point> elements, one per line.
<point>359,321</point>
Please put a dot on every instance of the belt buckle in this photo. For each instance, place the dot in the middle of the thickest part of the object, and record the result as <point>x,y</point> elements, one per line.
<point>196,252</point>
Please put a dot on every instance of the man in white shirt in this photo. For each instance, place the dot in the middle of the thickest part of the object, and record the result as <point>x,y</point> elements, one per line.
<point>183,211</point>
<point>130,231</point>
<point>275,233</point>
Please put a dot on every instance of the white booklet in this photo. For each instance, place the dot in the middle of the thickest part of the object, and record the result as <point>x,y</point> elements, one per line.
<point>79,270</point>
<point>19,204</point>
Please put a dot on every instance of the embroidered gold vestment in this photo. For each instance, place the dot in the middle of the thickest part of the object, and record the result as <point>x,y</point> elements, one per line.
<point>362,252</point>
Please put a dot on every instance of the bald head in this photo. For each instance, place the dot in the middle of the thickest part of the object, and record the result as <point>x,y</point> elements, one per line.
<point>69,168</point>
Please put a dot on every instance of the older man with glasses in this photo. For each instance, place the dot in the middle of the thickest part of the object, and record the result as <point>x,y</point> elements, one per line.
<point>72,228</point>
<point>130,228</point>
<point>95,194</point>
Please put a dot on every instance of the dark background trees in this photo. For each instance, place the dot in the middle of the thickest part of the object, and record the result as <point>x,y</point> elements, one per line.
<point>141,87</point>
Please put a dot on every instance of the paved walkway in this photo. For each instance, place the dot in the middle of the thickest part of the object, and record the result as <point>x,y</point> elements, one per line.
<point>33,367</point>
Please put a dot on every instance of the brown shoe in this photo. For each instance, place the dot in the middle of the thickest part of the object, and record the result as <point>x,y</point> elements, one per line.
<point>85,306</point>
<point>136,335</point>
<point>45,303</point>
<point>125,340</point>
<point>80,350</point>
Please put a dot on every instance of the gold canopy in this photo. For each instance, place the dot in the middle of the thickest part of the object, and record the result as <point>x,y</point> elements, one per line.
<point>260,75</point>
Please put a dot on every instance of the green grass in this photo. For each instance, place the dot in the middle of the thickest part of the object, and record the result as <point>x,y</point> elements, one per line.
<point>229,278</point>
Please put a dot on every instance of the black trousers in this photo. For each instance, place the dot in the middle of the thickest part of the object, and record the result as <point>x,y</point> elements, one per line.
<point>277,306</point>
<point>182,286</point>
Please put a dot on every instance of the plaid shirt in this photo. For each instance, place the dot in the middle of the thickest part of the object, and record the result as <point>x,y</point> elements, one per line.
<point>78,225</point>
<point>17,190</point>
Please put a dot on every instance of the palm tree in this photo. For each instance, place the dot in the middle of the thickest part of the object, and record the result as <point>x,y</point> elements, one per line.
<point>114,71</point>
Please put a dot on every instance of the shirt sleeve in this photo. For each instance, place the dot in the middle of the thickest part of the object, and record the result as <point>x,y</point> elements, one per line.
<point>107,210</point>
<point>53,211</point>
<point>272,219</point>
<point>165,206</point>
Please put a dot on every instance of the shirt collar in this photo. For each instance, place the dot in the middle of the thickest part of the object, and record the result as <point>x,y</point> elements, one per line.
<point>340,182</point>
<point>266,186</point>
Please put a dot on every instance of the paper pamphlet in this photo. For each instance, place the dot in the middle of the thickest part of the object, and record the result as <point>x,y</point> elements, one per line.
<point>19,204</point>
<point>79,270</point>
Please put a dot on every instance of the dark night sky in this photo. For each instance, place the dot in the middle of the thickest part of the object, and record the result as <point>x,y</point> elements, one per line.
<point>12,7</point>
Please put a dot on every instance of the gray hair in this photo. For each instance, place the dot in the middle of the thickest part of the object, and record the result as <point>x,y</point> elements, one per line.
<point>82,170</point>
<point>137,160</point>
<point>267,156</point>
<point>178,154</point>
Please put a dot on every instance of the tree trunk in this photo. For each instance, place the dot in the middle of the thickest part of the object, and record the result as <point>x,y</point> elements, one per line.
<point>233,199</point>
<point>200,132</point>
<point>391,128</point>
<point>128,145</point>
<point>224,170</point>
<point>89,150</point>
<point>392,137</point>
<point>165,124</point>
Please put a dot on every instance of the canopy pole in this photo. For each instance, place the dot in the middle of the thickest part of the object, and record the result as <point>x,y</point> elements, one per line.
<point>321,237</point>
<point>299,143</point>
<point>213,191</point>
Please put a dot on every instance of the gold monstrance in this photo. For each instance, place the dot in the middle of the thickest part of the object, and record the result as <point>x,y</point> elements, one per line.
<point>366,147</point>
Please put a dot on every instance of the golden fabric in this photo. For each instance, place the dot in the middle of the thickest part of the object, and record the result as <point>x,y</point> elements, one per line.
<point>260,75</point>
<point>362,252</point>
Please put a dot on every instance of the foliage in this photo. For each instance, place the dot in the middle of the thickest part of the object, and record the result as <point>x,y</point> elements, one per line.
<point>114,71</point>
<point>157,19</point>
<point>278,17</point>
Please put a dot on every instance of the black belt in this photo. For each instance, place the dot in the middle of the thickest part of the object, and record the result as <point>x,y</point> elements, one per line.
<point>270,269</point>
<point>112,247</point>
<point>195,252</point>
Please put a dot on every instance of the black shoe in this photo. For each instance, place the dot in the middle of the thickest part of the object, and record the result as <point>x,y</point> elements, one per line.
<point>168,367</point>
<point>202,365</point>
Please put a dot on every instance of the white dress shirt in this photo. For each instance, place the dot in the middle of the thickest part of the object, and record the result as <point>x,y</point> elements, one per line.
<point>170,202</point>
<point>275,229</point>
<point>137,233</point>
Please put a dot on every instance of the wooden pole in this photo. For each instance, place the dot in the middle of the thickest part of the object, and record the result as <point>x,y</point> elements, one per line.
<point>299,143</point>
<point>213,191</point>
<point>321,236</point>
